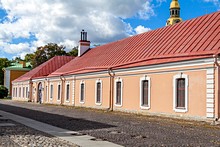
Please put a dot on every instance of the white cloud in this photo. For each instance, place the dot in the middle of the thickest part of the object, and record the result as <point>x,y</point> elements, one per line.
<point>14,48</point>
<point>141,29</point>
<point>61,21</point>
<point>216,2</point>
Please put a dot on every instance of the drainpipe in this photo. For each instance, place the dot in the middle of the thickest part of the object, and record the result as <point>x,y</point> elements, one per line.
<point>111,92</point>
<point>216,97</point>
<point>62,90</point>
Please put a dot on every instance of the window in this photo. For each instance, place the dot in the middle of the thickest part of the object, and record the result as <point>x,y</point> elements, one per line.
<point>16,92</point>
<point>82,92</point>
<point>67,92</point>
<point>98,92</point>
<point>180,94</point>
<point>26,92</point>
<point>47,93</point>
<point>23,92</point>
<point>19,91</point>
<point>59,92</point>
<point>118,92</point>
<point>51,91</point>
<point>13,92</point>
<point>145,93</point>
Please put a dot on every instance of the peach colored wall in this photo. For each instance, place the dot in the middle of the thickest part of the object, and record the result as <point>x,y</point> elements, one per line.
<point>65,102</point>
<point>90,93</point>
<point>162,93</point>
<point>53,100</point>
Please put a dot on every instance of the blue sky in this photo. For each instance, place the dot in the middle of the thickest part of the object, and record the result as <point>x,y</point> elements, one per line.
<point>24,27</point>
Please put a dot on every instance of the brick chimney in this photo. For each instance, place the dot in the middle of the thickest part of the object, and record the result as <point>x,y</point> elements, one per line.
<point>84,45</point>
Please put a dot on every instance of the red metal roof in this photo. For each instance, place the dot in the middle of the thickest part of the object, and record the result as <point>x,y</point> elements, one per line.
<point>46,68</point>
<point>192,39</point>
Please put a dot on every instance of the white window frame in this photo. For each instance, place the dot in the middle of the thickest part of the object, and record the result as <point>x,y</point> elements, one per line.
<point>68,83</point>
<point>175,77</point>
<point>100,103</point>
<point>59,84</point>
<point>141,93</point>
<point>51,92</point>
<point>82,82</point>
<point>115,93</point>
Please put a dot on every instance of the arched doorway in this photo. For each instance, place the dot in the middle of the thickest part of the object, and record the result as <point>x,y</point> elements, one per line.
<point>39,93</point>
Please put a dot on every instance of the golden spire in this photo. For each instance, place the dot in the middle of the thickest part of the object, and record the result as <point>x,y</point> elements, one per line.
<point>174,13</point>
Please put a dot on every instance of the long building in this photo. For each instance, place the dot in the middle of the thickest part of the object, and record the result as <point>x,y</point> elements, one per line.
<point>171,71</point>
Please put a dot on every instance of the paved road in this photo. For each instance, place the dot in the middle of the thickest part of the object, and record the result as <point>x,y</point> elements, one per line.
<point>124,129</point>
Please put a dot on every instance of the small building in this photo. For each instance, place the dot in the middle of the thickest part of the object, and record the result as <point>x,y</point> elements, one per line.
<point>30,86</point>
<point>172,71</point>
<point>13,72</point>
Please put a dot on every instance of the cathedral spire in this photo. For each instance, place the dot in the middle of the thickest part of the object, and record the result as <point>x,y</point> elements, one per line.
<point>174,13</point>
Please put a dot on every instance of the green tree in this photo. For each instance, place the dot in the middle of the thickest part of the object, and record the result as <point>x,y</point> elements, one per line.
<point>29,57</point>
<point>3,92</point>
<point>73,52</point>
<point>4,62</point>
<point>47,52</point>
<point>16,60</point>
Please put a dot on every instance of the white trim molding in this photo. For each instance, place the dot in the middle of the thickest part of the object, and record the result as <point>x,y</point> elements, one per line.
<point>73,92</point>
<point>175,77</point>
<point>115,91</point>
<point>98,103</point>
<point>210,101</point>
<point>147,107</point>
<point>82,82</point>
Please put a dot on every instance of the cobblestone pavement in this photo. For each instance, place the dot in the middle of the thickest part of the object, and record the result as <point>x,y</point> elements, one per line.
<point>121,128</point>
<point>22,136</point>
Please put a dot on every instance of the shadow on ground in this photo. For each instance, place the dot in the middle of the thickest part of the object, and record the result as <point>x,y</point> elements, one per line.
<point>73,124</point>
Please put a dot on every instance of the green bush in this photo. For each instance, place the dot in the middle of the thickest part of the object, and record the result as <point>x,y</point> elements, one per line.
<point>3,92</point>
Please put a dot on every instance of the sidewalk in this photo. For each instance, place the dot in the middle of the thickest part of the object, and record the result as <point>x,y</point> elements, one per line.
<point>70,136</point>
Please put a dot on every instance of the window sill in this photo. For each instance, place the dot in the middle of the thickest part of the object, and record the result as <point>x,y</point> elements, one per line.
<point>145,107</point>
<point>81,102</point>
<point>98,104</point>
<point>183,110</point>
<point>118,105</point>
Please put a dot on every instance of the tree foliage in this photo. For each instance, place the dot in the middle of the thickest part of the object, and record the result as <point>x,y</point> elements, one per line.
<point>4,62</point>
<point>46,52</point>
<point>73,52</point>
<point>29,57</point>
<point>16,60</point>
<point>3,92</point>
